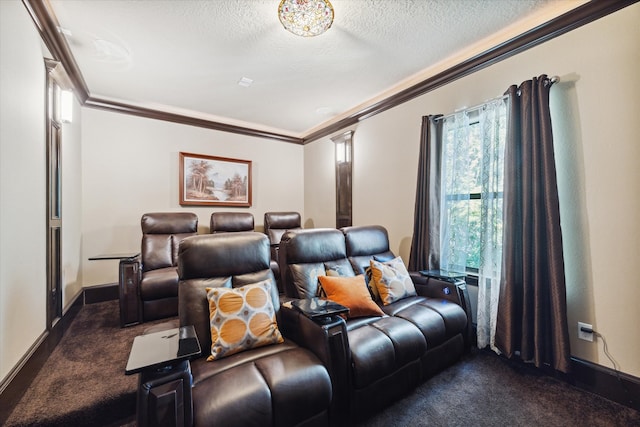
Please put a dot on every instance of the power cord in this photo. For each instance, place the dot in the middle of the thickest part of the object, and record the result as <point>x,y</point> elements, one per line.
<point>609,356</point>
<point>606,352</point>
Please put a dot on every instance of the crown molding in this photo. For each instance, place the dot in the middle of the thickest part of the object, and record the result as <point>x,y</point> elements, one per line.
<point>571,20</point>
<point>45,20</point>
<point>150,113</point>
<point>47,24</point>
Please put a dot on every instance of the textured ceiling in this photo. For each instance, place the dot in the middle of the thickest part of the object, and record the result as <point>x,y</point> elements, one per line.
<point>187,57</point>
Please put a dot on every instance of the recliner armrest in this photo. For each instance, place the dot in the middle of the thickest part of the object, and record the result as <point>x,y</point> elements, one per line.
<point>316,335</point>
<point>327,339</point>
<point>454,291</point>
<point>164,396</point>
<point>436,288</point>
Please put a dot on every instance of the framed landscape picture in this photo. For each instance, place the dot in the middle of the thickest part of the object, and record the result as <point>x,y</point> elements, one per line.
<point>214,181</point>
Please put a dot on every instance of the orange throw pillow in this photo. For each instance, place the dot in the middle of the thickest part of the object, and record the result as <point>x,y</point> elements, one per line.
<point>351,292</point>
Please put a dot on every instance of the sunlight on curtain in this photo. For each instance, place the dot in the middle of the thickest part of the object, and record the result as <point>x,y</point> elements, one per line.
<point>471,212</point>
<point>493,125</point>
<point>458,153</point>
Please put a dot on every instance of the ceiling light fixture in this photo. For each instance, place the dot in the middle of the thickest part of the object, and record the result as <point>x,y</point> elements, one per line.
<point>306,18</point>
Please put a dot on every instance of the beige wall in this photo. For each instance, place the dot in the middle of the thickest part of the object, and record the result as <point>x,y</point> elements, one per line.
<point>23,283</point>
<point>130,166</point>
<point>72,208</point>
<point>596,130</point>
<point>22,186</point>
<point>320,188</point>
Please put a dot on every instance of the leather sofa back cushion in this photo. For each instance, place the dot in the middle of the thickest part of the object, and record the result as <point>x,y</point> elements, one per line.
<point>315,245</point>
<point>392,280</point>
<point>241,319</point>
<point>351,292</point>
<point>275,235</point>
<point>365,243</point>
<point>368,240</point>
<point>277,223</point>
<point>161,250</point>
<point>361,263</point>
<point>162,233</point>
<point>305,276</point>
<point>156,251</point>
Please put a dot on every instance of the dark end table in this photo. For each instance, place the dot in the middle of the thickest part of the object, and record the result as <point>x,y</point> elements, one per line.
<point>164,386</point>
<point>160,350</point>
<point>446,275</point>
<point>128,279</point>
<point>119,256</point>
<point>318,308</point>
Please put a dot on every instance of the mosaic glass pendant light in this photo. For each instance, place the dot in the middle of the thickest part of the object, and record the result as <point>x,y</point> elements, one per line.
<point>306,18</point>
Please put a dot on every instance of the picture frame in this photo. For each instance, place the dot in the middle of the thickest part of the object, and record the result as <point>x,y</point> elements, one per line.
<point>214,181</point>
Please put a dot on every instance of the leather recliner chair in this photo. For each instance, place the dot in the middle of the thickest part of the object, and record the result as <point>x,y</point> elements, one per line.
<point>275,225</point>
<point>231,222</point>
<point>156,280</point>
<point>274,385</point>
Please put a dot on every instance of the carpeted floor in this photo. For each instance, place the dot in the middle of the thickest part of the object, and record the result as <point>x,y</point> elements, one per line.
<point>487,390</point>
<point>83,383</point>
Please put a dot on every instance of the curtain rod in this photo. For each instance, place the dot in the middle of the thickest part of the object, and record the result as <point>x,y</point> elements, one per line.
<point>551,80</point>
<point>469,109</point>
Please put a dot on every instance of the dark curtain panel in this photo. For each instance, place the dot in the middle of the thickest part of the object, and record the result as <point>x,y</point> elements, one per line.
<point>425,244</point>
<point>532,311</point>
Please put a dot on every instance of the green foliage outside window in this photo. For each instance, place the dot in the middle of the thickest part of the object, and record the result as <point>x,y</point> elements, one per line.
<point>469,154</point>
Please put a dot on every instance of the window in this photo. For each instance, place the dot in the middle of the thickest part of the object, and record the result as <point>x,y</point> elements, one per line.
<point>472,188</point>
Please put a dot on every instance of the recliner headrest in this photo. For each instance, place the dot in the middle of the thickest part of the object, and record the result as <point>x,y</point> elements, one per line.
<point>313,245</point>
<point>223,254</point>
<point>366,240</point>
<point>169,223</point>
<point>282,220</point>
<point>231,222</point>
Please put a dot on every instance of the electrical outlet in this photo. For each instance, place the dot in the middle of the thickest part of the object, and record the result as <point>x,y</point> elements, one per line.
<point>587,336</point>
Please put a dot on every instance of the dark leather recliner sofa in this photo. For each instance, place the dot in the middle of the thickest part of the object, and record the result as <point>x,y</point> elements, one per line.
<point>383,357</point>
<point>281,384</point>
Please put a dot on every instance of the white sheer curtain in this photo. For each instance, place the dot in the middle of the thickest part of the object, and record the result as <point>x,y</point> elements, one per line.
<point>471,228</point>
<point>456,178</point>
<point>493,128</point>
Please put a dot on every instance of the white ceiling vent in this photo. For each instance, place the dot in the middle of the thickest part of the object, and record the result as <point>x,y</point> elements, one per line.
<point>245,82</point>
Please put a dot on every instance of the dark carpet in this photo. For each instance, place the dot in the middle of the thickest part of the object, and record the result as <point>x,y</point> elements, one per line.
<point>83,384</point>
<point>83,381</point>
<point>486,390</point>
